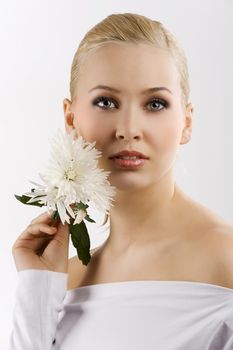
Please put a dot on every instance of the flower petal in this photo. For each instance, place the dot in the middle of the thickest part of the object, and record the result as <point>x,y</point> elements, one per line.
<point>80,215</point>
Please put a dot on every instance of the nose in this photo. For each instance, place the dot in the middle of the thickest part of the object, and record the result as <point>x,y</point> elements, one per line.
<point>128,129</point>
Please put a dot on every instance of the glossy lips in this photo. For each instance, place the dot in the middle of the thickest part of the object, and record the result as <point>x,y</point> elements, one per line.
<point>129,154</point>
<point>129,163</point>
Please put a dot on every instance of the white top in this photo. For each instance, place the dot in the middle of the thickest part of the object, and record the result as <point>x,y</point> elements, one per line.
<point>129,315</point>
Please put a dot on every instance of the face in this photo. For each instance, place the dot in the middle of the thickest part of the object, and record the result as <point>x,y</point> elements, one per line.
<point>153,123</point>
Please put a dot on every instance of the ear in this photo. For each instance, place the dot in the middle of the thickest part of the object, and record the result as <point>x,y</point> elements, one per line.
<point>69,116</point>
<point>187,131</point>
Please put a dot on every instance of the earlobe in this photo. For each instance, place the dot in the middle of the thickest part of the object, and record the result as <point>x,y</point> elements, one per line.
<point>186,136</point>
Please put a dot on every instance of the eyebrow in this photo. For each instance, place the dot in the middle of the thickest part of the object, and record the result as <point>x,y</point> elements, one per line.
<point>153,89</point>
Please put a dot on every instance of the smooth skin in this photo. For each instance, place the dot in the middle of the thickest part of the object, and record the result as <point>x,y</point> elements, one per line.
<point>157,232</point>
<point>41,246</point>
<point>131,120</point>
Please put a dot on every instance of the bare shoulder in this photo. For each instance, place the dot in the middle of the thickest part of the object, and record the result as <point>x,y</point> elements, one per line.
<point>221,246</point>
<point>214,248</point>
<point>76,270</point>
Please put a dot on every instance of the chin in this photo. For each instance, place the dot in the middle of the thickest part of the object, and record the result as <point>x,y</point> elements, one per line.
<point>127,182</point>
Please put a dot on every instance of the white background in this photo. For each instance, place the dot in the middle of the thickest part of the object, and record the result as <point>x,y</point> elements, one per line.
<point>38,40</point>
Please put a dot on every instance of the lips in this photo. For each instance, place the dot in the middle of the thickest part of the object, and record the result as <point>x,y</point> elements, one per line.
<point>128,164</point>
<point>126,153</point>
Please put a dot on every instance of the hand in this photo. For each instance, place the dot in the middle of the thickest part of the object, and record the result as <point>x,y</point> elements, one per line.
<point>42,246</point>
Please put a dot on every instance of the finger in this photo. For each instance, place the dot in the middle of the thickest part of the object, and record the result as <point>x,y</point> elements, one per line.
<point>38,229</point>
<point>63,232</point>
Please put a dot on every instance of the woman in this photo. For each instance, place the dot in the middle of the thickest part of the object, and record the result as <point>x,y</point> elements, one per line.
<point>163,278</point>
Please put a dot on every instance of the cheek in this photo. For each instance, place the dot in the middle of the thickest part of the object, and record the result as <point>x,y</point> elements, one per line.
<point>92,130</point>
<point>166,138</point>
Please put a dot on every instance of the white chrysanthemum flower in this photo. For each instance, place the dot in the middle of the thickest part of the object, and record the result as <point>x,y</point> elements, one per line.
<point>72,177</point>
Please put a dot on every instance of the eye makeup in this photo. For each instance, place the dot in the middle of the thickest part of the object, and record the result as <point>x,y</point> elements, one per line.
<point>107,99</point>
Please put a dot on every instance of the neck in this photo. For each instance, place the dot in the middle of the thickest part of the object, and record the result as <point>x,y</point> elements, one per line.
<point>143,214</point>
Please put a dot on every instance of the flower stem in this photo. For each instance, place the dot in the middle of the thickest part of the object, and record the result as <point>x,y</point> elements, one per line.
<point>55,218</point>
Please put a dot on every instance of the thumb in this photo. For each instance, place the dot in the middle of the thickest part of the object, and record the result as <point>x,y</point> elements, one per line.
<point>62,232</point>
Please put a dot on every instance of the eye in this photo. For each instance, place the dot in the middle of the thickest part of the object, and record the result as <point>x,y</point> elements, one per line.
<point>158,101</point>
<point>105,101</point>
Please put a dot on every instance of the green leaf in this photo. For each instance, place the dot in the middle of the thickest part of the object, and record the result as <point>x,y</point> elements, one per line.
<point>55,217</point>
<point>80,205</point>
<point>87,217</point>
<point>24,199</point>
<point>81,241</point>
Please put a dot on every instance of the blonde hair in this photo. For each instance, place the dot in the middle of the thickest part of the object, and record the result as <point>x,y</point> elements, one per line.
<point>130,28</point>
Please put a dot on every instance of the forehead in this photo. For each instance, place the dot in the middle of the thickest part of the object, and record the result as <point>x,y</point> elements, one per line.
<point>123,65</point>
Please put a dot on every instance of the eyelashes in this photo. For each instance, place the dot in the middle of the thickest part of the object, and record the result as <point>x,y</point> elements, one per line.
<point>105,105</point>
